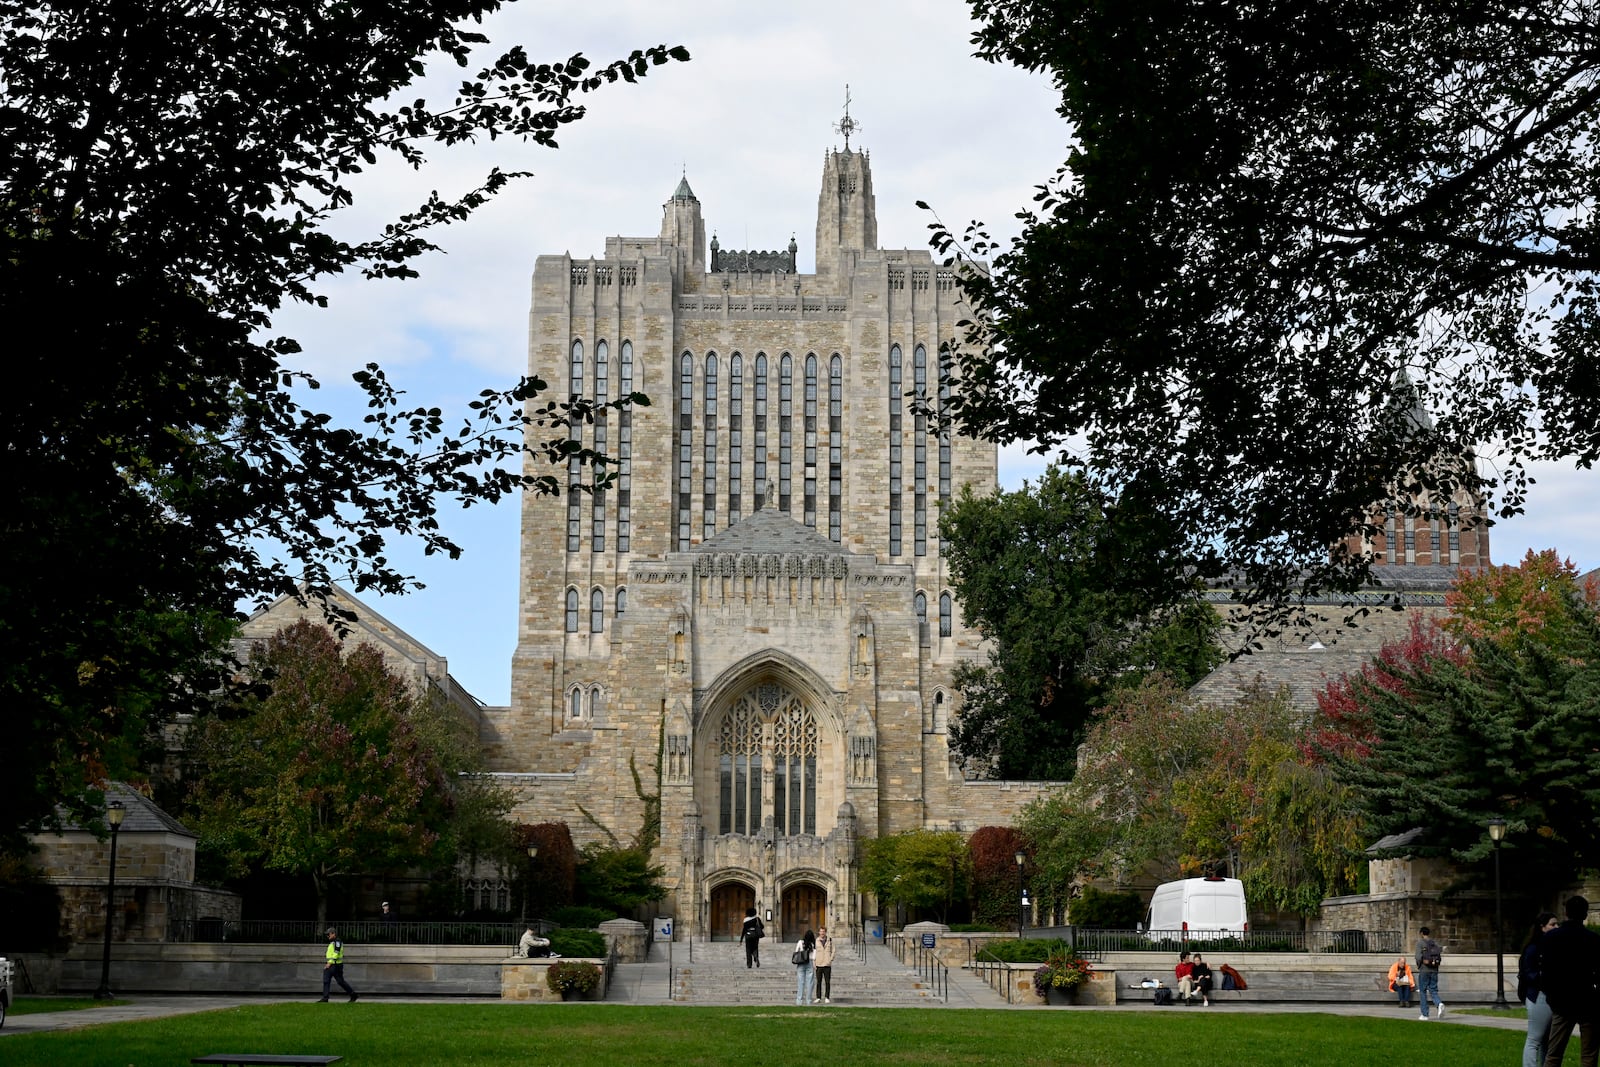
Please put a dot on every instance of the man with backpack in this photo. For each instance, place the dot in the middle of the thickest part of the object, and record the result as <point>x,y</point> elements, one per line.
<point>1429,955</point>
<point>751,934</point>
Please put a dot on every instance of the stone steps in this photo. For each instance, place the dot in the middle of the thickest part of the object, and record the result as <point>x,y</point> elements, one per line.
<point>718,975</point>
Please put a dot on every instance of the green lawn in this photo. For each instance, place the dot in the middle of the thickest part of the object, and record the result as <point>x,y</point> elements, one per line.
<point>368,1035</point>
<point>35,1005</point>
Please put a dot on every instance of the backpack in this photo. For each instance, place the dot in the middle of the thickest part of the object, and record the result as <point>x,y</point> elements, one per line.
<point>1431,955</point>
<point>1163,995</point>
<point>754,931</point>
<point>1232,979</point>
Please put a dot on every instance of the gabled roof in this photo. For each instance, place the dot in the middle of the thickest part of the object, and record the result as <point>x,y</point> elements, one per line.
<point>770,530</point>
<point>143,815</point>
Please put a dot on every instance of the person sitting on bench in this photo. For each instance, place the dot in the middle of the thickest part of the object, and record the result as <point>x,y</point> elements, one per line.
<point>532,944</point>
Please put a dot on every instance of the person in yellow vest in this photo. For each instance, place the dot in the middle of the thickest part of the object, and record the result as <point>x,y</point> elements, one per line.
<point>333,969</point>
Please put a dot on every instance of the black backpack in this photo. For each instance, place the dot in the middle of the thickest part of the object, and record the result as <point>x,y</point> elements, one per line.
<point>1432,955</point>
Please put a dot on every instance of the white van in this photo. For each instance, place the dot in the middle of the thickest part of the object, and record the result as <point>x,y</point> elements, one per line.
<point>1199,906</point>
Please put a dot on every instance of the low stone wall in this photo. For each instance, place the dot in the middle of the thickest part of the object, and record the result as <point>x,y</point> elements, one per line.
<point>524,980</point>
<point>392,970</point>
<point>1301,977</point>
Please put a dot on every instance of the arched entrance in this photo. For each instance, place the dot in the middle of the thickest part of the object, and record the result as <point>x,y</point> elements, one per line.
<point>728,904</point>
<point>805,907</point>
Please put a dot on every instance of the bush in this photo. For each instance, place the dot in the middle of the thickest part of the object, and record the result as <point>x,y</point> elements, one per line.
<point>994,876</point>
<point>1027,950</point>
<point>581,918</point>
<point>1106,911</point>
<point>572,976</point>
<point>577,943</point>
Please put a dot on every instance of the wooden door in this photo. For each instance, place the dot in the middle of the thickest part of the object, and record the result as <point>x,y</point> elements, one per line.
<point>805,907</point>
<point>728,904</point>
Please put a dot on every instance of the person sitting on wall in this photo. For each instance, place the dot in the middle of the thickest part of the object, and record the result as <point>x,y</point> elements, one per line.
<point>1402,981</point>
<point>1202,979</point>
<point>532,944</point>
<point>1184,973</point>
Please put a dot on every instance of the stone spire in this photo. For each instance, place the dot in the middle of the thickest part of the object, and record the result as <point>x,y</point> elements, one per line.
<point>847,212</point>
<point>682,225</point>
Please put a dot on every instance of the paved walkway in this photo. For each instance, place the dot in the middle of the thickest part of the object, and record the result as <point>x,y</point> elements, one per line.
<point>651,983</point>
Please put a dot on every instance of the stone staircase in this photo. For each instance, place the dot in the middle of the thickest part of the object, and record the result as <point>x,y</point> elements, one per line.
<point>717,975</point>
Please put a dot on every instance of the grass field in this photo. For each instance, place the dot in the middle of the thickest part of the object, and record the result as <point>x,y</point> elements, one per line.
<point>368,1035</point>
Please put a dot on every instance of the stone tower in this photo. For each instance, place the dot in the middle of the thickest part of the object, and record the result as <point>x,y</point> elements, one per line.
<point>752,632</point>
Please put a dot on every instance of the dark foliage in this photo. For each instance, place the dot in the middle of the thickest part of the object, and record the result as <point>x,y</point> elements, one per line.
<point>550,879</point>
<point>1106,911</point>
<point>996,900</point>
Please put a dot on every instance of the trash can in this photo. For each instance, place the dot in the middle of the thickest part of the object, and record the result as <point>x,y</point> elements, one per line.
<point>874,927</point>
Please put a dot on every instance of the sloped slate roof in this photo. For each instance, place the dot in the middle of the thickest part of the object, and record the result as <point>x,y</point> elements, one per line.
<point>1305,671</point>
<point>770,530</point>
<point>144,816</point>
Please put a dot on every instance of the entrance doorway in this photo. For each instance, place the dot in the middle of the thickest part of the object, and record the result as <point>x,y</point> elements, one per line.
<point>728,904</point>
<point>805,907</point>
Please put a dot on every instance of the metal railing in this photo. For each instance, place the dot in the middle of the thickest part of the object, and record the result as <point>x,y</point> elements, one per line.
<point>1174,941</point>
<point>858,941</point>
<point>363,932</point>
<point>987,967</point>
<point>930,969</point>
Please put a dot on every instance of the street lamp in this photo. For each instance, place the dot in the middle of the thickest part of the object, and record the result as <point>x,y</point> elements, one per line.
<point>1022,912</point>
<point>115,813</point>
<point>1497,833</point>
<point>527,890</point>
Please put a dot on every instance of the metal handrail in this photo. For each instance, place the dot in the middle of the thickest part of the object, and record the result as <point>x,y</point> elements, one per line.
<point>928,966</point>
<point>987,968</point>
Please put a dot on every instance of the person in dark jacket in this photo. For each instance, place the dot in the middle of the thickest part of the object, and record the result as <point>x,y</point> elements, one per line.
<point>1569,969</point>
<point>751,934</point>
<point>1202,979</point>
<point>1530,967</point>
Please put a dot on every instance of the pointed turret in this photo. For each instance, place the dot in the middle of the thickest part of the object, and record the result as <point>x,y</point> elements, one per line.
<point>682,225</point>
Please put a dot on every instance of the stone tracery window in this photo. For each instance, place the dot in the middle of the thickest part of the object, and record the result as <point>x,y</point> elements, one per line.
<point>741,746</point>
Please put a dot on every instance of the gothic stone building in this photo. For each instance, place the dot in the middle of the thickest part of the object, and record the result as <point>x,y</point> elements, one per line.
<point>755,621</point>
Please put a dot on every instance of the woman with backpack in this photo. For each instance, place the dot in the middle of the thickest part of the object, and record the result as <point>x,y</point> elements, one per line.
<point>1528,991</point>
<point>805,971</point>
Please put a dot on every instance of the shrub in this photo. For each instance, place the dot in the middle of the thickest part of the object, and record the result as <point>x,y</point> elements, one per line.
<point>581,918</point>
<point>577,943</point>
<point>1107,911</point>
<point>572,976</point>
<point>994,876</point>
<point>1027,950</point>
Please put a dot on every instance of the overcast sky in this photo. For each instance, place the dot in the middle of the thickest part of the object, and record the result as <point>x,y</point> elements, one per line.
<point>747,120</point>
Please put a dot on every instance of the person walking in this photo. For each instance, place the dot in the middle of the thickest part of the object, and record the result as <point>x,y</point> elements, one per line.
<point>333,968</point>
<point>1402,981</point>
<point>751,934</point>
<point>1429,955</point>
<point>805,970</point>
<point>1530,967</point>
<point>823,961</point>
<point>1569,968</point>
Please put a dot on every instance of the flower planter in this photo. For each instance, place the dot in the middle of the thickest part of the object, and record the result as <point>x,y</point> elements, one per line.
<point>571,994</point>
<point>1058,997</point>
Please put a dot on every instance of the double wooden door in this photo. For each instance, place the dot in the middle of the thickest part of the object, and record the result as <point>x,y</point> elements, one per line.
<point>805,907</point>
<point>728,905</point>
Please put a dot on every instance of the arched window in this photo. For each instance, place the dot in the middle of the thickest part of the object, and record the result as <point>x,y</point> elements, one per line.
<point>597,702</point>
<point>835,447</point>
<point>625,453</point>
<point>622,602</point>
<point>810,515</point>
<point>896,474</point>
<point>761,429</point>
<point>740,750</point>
<point>919,449</point>
<point>575,703</point>
<point>602,387</point>
<point>574,465</point>
<point>708,470</point>
<point>920,604</point>
<point>572,611</point>
<point>685,447</point>
<point>597,610</point>
<point>785,430</point>
<point>735,437</point>
<point>941,712</point>
<point>944,614</point>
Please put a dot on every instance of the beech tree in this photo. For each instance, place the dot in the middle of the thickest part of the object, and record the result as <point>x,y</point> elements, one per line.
<point>340,768</point>
<point>1267,211</point>
<point>1055,577</point>
<point>170,177</point>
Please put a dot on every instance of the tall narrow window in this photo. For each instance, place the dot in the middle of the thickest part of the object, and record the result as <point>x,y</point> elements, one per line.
<point>785,430</point>
<point>919,604</point>
<point>575,704</point>
<point>740,744</point>
<point>602,387</point>
<point>685,448</point>
<point>572,611</point>
<point>835,447</point>
<point>811,442</point>
<point>625,453</point>
<point>760,470</point>
<point>896,473</point>
<point>943,428</point>
<point>622,602</point>
<point>597,610</point>
<point>1454,519</point>
<point>708,489</point>
<point>574,466</point>
<point>919,449</point>
<point>944,614</point>
<point>735,437</point>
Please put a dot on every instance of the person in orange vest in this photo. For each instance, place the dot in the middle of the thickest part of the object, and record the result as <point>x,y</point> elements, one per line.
<point>1402,981</point>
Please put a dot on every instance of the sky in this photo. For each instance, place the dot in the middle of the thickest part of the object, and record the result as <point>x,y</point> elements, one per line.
<point>747,121</point>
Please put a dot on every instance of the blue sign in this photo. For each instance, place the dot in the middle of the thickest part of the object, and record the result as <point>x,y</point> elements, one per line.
<point>664,928</point>
<point>927,940</point>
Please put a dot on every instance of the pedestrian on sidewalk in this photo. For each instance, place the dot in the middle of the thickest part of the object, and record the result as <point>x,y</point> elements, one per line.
<point>805,970</point>
<point>823,961</point>
<point>1530,989</point>
<point>751,934</point>
<point>333,969</point>
<point>1429,956</point>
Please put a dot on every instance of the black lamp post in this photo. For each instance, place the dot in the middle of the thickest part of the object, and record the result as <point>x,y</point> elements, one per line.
<point>1022,912</point>
<point>115,813</point>
<point>1497,833</point>
<point>527,890</point>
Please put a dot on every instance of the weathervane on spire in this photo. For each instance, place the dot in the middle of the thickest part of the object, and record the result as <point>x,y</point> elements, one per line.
<point>846,125</point>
